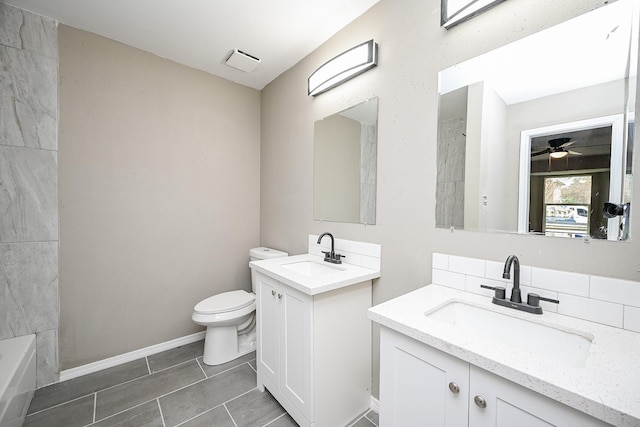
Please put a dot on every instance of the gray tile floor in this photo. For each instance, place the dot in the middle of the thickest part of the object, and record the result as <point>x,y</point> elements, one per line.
<point>172,388</point>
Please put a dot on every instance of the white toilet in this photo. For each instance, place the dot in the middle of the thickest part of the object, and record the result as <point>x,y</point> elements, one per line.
<point>230,319</point>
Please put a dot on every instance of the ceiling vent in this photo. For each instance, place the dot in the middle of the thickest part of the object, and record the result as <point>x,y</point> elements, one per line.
<point>242,61</point>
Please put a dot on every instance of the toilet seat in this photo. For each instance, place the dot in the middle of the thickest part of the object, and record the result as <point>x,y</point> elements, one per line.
<point>225,302</point>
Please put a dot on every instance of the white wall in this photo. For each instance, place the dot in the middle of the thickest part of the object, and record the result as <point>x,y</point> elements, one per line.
<point>413,48</point>
<point>473,166</point>
<point>494,144</point>
<point>159,195</point>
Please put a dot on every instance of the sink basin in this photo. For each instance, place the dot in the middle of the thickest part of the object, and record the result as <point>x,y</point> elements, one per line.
<point>562,346</point>
<point>311,268</point>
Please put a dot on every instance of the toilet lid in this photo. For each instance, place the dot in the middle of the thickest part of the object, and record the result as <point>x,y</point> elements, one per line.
<point>224,302</point>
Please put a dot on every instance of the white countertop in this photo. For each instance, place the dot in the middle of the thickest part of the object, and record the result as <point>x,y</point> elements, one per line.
<point>607,387</point>
<point>345,274</point>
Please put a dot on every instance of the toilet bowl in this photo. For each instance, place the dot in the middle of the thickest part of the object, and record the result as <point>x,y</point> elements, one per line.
<point>230,319</point>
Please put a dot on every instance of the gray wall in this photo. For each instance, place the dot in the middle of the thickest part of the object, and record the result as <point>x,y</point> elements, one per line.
<point>337,169</point>
<point>159,195</point>
<point>413,48</point>
<point>28,184</point>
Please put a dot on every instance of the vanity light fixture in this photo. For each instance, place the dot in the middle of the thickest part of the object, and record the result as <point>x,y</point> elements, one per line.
<point>343,67</point>
<point>454,12</point>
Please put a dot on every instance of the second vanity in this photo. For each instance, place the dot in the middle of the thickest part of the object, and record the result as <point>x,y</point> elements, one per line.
<point>314,337</point>
<point>452,358</point>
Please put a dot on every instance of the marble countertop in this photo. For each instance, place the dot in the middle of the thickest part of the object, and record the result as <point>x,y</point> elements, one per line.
<point>607,387</point>
<point>344,275</point>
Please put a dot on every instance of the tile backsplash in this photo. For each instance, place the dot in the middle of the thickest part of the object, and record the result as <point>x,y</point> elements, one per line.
<point>605,300</point>
<point>357,253</point>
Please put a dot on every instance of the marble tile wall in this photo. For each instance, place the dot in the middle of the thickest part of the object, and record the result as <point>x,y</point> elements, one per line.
<point>29,302</point>
<point>368,172</point>
<point>450,178</point>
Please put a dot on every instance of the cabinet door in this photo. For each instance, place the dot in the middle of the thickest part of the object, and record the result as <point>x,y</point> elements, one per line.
<point>296,317</point>
<point>268,339</point>
<point>419,385</point>
<point>508,405</point>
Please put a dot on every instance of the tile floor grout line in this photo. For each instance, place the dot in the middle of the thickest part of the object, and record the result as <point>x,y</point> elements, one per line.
<point>157,398</point>
<point>95,405</point>
<point>372,422</point>
<point>201,368</point>
<point>361,417</point>
<point>125,410</point>
<point>161,414</point>
<point>276,419</point>
<point>196,416</point>
<point>92,392</point>
<point>178,389</point>
<point>176,364</point>
<point>222,404</point>
<point>240,395</point>
<point>227,370</point>
<point>143,376</point>
<point>172,366</point>
<point>229,413</point>
<point>62,403</point>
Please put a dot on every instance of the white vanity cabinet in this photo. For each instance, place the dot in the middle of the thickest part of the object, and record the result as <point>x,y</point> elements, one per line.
<point>284,355</point>
<point>413,381</point>
<point>422,386</point>
<point>314,351</point>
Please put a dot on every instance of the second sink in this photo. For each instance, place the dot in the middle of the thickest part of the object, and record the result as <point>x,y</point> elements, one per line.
<point>569,348</point>
<point>311,268</point>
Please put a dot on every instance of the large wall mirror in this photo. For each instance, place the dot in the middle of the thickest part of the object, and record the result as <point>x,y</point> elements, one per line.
<point>345,165</point>
<point>537,136</point>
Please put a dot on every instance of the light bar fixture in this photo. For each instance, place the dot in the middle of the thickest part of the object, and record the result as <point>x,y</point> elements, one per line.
<point>454,12</point>
<point>343,67</point>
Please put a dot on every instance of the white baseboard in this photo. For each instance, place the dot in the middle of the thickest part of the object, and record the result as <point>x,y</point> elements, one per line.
<point>90,368</point>
<point>375,404</point>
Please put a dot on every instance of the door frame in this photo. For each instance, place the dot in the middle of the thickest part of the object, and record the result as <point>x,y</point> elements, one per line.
<point>616,172</point>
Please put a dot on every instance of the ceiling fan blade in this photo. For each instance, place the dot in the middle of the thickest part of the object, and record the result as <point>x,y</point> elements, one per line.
<point>566,144</point>
<point>574,152</point>
<point>548,150</point>
<point>558,142</point>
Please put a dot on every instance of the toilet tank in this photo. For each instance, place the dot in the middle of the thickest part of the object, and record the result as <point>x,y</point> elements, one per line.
<point>265,253</point>
<point>257,254</point>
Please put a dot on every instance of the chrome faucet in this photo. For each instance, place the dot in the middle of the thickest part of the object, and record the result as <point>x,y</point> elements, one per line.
<point>332,256</point>
<point>515,292</point>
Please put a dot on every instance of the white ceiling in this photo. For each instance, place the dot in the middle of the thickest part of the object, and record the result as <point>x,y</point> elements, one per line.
<point>202,33</point>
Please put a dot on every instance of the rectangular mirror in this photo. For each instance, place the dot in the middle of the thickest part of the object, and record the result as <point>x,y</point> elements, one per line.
<point>536,136</point>
<point>345,165</point>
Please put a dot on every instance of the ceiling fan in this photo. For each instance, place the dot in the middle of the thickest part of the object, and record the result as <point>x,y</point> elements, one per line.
<point>557,148</point>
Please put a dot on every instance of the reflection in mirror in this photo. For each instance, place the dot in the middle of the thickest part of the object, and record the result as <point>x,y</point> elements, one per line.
<point>567,174</point>
<point>345,165</point>
<point>533,134</point>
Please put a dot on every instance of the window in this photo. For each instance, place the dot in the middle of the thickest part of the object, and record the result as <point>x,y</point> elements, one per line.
<point>567,204</point>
